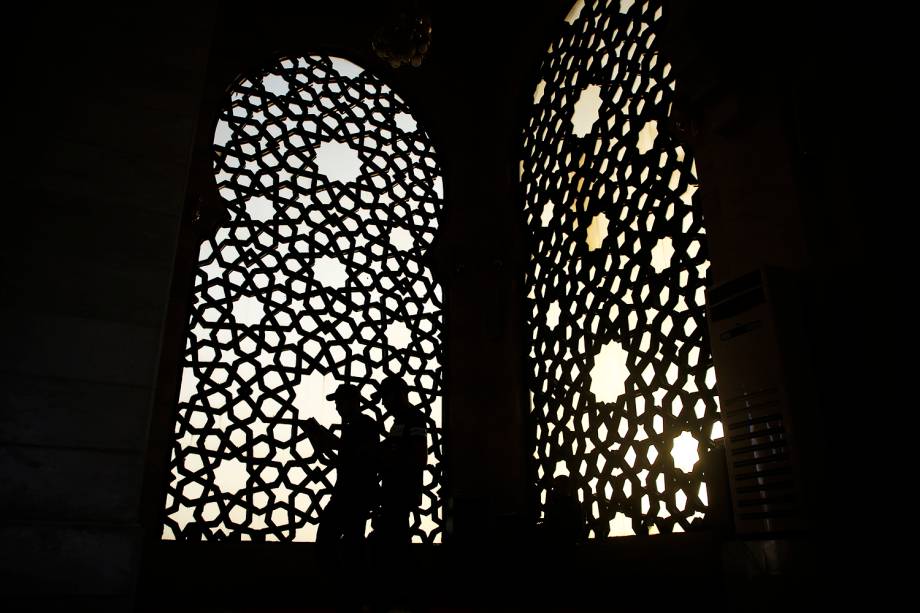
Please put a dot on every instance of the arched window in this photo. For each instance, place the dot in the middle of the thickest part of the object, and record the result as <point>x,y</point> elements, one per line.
<point>317,278</point>
<point>622,386</point>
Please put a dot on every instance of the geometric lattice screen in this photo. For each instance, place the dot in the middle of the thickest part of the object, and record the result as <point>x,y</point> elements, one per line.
<point>622,386</point>
<point>317,279</point>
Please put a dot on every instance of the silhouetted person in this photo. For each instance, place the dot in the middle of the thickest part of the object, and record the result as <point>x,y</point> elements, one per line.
<point>564,526</point>
<point>712,466</point>
<point>564,521</point>
<point>402,466</point>
<point>354,455</point>
<point>194,531</point>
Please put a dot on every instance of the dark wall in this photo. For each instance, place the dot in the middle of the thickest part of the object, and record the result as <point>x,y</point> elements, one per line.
<point>784,108</point>
<point>103,109</point>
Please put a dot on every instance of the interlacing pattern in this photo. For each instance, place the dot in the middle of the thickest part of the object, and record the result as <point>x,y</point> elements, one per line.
<point>317,279</point>
<point>623,389</point>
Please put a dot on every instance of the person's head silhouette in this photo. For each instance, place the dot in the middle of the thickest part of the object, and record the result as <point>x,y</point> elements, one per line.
<point>563,487</point>
<point>394,394</point>
<point>347,400</point>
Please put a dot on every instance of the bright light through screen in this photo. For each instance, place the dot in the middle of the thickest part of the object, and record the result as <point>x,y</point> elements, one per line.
<point>318,279</point>
<point>622,385</point>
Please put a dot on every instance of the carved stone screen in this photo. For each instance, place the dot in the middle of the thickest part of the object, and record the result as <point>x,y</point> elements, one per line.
<point>623,391</point>
<point>317,279</point>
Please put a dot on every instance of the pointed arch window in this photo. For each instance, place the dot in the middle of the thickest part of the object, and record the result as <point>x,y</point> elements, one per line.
<point>317,278</point>
<point>623,391</point>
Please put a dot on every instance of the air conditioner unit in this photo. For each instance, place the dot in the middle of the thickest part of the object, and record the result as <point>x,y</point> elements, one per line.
<point>760,443</point>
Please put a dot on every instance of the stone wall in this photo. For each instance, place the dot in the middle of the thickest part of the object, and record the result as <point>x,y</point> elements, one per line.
<point>104,108</point>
